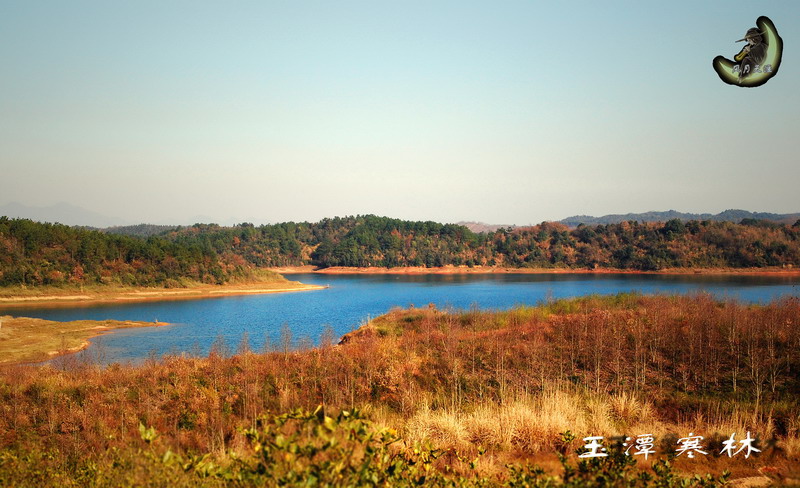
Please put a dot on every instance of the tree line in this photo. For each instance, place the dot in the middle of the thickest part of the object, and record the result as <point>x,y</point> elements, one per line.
<point>33,253</point>
<point>369,240</point>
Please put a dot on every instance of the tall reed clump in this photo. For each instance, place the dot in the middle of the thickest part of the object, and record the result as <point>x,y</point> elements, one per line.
<point>533,424</point>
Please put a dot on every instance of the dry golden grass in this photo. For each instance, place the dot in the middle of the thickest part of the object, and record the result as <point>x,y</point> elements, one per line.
<point>26,340</point>
<point>535,423</point>
<point>445,430</point>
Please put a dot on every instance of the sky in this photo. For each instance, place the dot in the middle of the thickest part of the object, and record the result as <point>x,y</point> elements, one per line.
<point>508,112</point>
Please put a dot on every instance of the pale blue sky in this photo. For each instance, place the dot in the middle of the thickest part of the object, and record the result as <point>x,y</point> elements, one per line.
<point>504,112</point>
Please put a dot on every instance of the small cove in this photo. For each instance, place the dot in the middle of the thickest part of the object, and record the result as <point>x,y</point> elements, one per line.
<point>352,299</point>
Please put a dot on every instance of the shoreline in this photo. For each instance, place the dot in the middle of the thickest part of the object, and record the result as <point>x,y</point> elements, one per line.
<point>418,270</point>
<point>133,295</point>
<point>86,342</point>
<point>30,341</point>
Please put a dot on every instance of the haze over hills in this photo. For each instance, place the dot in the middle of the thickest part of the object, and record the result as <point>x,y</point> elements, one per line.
<point>732,215</point>
<point>478,227</point>
<point>69,214</point>
<point>62,213</point>
<point>140,230</point>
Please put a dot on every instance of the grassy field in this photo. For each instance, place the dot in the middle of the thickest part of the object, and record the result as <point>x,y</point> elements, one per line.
<point>432,397</point>
<point>27,340</point>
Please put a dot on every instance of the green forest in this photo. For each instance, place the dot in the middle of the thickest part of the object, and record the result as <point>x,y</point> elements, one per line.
<point>33,253</point>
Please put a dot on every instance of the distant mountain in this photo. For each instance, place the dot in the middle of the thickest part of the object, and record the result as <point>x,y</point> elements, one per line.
<point>139,230</point>
<point>733,215</point>
<point>479,227</point>
<point>62,213</point>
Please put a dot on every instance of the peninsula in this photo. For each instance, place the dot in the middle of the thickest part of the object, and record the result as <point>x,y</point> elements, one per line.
<point>28,340</point>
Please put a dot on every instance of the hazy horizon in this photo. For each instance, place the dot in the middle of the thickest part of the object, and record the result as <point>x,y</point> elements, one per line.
<point>505,114</point>
<point>65,213</point>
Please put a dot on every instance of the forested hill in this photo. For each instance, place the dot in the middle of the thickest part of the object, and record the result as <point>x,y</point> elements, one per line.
<point>379,241</point>
<point>34,253</point>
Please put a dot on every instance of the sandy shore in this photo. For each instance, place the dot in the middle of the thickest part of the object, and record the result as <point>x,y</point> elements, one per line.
<point>29,340</point>
<point>501,270</point>
<point>79,298</point>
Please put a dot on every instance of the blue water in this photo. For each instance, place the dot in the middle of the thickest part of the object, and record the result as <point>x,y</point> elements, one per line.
<point>352,299</point>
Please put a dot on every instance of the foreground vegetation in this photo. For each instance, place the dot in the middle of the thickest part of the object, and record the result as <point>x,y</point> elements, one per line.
<point>34,254</point>
<point>442,398</point>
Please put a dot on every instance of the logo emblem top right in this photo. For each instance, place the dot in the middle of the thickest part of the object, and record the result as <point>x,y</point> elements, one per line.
<point>758,61</point>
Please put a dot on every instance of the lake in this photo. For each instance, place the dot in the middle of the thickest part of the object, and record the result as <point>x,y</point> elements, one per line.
<point>353,299</point>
